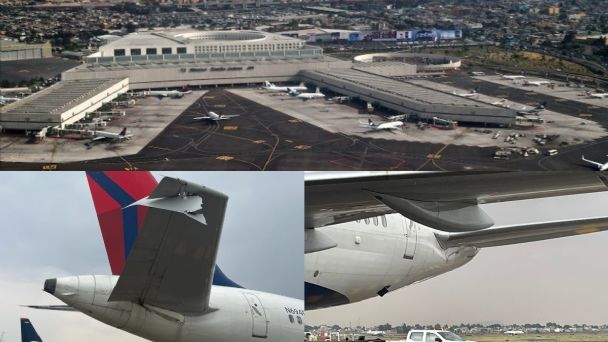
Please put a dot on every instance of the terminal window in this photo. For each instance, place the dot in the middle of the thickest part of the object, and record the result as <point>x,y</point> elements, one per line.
<point>181,50</point>
<point>151,51</point>
<point>119,52</point>
<point>167,51</point>
<point>135,52</point>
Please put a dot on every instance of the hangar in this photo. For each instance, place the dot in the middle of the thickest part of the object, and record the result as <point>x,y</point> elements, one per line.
<point>409,98</point>
<point>61,104</point>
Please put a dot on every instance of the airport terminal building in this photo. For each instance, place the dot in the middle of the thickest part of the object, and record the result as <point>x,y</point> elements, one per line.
<point>174,58</point>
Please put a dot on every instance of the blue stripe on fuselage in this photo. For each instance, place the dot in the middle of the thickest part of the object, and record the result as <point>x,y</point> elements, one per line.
<point>318,297</point>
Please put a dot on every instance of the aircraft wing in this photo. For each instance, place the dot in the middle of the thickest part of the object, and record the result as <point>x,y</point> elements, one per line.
<point>99,138</point>
<point>500,236</point>
<point>445,201</point>
<point>172,260</point>
<point>202,118</point>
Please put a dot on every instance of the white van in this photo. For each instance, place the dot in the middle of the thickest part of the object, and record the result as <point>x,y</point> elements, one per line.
<point>432,336</point>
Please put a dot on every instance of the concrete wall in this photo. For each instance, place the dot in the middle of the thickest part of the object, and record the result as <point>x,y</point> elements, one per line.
<point>178,76</point>
<point>23,51</point>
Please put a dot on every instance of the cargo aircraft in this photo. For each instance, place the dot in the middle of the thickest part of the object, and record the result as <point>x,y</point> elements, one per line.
<point>370,233</point>
<point>162,241</point>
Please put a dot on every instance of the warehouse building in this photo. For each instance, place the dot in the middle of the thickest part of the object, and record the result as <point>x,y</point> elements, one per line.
<point>14,51</point>
<point>61,104</point>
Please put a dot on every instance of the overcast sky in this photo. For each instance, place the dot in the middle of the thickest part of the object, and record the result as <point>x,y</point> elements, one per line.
<point>50,229</point>
<point>562,280</point>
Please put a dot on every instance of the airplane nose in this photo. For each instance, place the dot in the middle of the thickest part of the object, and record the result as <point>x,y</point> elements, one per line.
<point>50,285</point>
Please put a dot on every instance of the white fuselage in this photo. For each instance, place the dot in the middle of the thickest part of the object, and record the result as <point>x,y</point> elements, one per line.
<point>284,89</point>
<point>371,255</point>
<point>598,95</point>
<point>513,77</point>
<point>387,125</point>
<point>235,314</point>
<point>309,96</point>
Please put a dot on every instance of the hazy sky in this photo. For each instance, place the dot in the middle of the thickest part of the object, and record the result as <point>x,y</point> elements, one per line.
<point>49,229</point>
<point>562,280</point>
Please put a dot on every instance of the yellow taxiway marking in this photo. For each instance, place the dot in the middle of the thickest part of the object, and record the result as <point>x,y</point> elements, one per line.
<point>585,115</point>
<point>531,93</point>
<point>587,230</point>
<point>49,167</point>
<point>561,99</point>
<point>231,128</point>
<point>219,106</point>
<point>302,147</point>
<point>447,82</point>
<point>288,140</point>
<point>208,97</point>
<point>259,141</point>
<point>295,121</point>
<point>131,168</point>
<point>225,158</point>
<point>502,96</point>
<point>433,156</point>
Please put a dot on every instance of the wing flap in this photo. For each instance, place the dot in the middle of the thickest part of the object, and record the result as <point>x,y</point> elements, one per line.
<point>500,236</point>
<point>172,261</point>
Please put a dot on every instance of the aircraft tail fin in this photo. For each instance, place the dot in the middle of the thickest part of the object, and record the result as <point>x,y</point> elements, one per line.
<point>220,279</point>
<point>370,122</point>
<point>267,84</point>
<point>113,192</point>
<point>28,333</point>
<point>123,132</point>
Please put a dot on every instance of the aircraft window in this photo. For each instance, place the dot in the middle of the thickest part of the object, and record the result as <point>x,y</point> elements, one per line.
<point>375,221</point>
<point>366,221</point>
<point>299,320</point>
<point>384,224</point>
<point>291,318</point>
<point>416,336</point>
<point>430,337</point>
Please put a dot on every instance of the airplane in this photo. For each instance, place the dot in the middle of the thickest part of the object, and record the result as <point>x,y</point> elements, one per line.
<point>513,77</point>
<point>596,95</point>
<point>28,333</point>
<point>5,100</point>
<point>375,332</point>
<point>99,136</point>
<point>212,116</point>
<point>273,87</point>
<point>306,96</point>
<point>514,332</point>
<point>535,83</point>
<point>371,233</point>
<point>169,93</point>
<point>598,166</point>
<point>502,103</point>
<point>372,126</point>
<point>162,242</point>
<point>472,93</point>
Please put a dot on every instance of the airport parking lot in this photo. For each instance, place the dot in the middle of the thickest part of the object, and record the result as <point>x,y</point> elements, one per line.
<point>145,120</point>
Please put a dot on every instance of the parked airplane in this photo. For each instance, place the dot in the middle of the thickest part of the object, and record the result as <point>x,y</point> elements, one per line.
<point>535,83</point>
<point>99,136</point>
<point>596,95</point>
<point>169,288</point>
<point>369,233</point>
<point>273,87</point>
<point>5,100</point>
<point>514,332</point>
<point>472,93</point>
<point>306,96</point>
<point>212,116</point>
<point>375,332</point>
<point>502,103</point>
<point>28,333</point>
<point>372,126</point>
<point>513,77</point>
<point>598,166</point>
<point>169,93</point>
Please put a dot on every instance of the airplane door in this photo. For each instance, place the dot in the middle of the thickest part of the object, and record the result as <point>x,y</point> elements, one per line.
<point>259,322</point>
<point>411,238</point>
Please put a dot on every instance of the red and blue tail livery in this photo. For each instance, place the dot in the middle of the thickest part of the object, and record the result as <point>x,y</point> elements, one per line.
<point>113,192</point>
